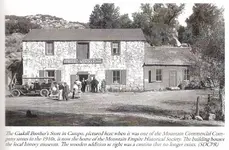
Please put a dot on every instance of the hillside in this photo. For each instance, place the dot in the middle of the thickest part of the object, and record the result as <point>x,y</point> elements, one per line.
<point>16,27</point>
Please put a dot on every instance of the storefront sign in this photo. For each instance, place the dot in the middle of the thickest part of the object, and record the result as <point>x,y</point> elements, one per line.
<point>83,61</point>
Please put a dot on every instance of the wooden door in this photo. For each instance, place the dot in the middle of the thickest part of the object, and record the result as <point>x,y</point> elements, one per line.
<point>72,80</point>
<point>173,78</point>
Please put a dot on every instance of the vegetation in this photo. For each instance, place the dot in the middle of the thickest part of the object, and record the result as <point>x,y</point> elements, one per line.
<point>158,22</point>
<point>204,32</point>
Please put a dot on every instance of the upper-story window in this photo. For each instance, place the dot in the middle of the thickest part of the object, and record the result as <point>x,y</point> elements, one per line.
<point>115,48</point>
<point>49,48</point>
<point>82,50</point>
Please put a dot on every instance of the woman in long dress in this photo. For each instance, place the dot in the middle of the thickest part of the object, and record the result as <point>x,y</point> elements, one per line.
<point>79,84</point>
<point>61,88</point>
<point>75,90</point>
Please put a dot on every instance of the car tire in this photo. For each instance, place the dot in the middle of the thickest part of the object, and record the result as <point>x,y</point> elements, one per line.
<point>44,93</point>
<point>15,93</point>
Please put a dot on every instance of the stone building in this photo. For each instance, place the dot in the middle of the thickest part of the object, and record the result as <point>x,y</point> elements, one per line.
<point>116,55</point>
<point>120,56</point>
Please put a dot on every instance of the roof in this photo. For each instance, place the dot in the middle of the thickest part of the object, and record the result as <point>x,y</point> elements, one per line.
<point>180,56</point>
<point>85,35</point>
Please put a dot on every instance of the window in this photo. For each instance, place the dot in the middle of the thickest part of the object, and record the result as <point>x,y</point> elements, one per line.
<point>116,76</point>
<point>49,48</point>
<point>50,73</point>
<point>150,76</point>
<point>186,74</point>
<point>83,51</point>
<point>115,48</point>
<point>158,75</point>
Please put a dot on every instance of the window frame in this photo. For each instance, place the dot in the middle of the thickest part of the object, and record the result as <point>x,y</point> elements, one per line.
<point>118,48</point>
<point>186,75</point>
<point>113,71</point>
<point>88,48</point>
<point>159,75</point>
<point>47,73</point>
<point>47,48</point>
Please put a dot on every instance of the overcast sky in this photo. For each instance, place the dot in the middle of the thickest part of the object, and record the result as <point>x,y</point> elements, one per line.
<point>75,10</point>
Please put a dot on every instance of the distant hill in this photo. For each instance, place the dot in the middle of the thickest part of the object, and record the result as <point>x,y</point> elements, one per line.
<point>23,24</point>
<point>16,27</point>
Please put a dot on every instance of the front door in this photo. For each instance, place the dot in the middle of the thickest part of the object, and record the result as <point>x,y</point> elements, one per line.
<point>83,76</point>
<point>173,78</point>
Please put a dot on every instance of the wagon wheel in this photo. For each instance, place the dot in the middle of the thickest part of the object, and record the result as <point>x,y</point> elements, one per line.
<point>44,93</point>
<point>15,93</point>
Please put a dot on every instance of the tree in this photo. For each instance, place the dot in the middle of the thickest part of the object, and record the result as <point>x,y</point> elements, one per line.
<point>19,25</point>
<point>125,21</point>
<point>158,22</point>
<point>208,43</point>
<point>208,30</point>
<point>205,16</point>
<point>104,16</point>
<point>185,35</point>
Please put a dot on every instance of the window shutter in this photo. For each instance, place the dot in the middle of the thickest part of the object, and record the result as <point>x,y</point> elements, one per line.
<point>183,74</point>
<point>149,75</point>
<point>58,75</point>
<point>41,74</point>
<point>112,53</point>
<point>119,48</point>
<point>123,77</point>
<point>82,51</point>
<point>153,75</point>
<point>108,76</point>
<point>72,80</point>
<point>46,48</point>
<point>77,50</point>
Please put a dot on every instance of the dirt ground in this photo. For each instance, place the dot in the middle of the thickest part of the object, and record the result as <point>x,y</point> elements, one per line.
<point>164,108</point>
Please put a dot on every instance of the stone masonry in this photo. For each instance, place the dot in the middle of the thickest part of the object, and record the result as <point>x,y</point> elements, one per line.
<point>131,59</point>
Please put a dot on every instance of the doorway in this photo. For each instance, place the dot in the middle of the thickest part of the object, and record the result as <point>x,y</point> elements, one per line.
<point>81,76</point>
<point>173,78</point>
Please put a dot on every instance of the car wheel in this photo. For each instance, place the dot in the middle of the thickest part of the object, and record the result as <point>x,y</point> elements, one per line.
<point>15,93</point>
<point>44,93</point>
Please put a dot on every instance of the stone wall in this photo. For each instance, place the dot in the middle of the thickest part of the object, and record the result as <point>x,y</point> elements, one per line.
<point>131,59</point>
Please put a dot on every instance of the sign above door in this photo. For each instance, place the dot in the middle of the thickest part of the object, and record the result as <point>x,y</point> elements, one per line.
<point>83,61</point>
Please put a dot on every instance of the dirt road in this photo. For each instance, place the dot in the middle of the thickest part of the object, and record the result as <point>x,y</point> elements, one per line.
<point>163,105</point>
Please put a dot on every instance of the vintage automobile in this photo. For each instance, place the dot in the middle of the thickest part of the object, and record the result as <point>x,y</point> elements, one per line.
<point>38,87</point>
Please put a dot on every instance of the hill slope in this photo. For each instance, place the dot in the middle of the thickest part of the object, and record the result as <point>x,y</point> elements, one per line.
<point>16,27</point>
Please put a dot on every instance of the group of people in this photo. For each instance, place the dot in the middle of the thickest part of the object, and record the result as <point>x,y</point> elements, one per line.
<point>61,90</point>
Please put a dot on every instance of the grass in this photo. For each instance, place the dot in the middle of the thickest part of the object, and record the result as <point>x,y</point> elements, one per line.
<point>164,108</point>
<point>18,118</point>
<point>148,110</point>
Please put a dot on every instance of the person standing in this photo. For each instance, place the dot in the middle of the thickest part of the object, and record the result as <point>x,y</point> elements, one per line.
<point>65,91</point>
<point>61,88</point>
<point>78,92</point>
<point>75,90</point>
<point>87,88</point>
<point>95,85</point>
<point>103,86</point>
<point>83,85</point>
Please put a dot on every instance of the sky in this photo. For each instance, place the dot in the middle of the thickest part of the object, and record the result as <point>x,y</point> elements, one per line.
<point>73,10</point>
